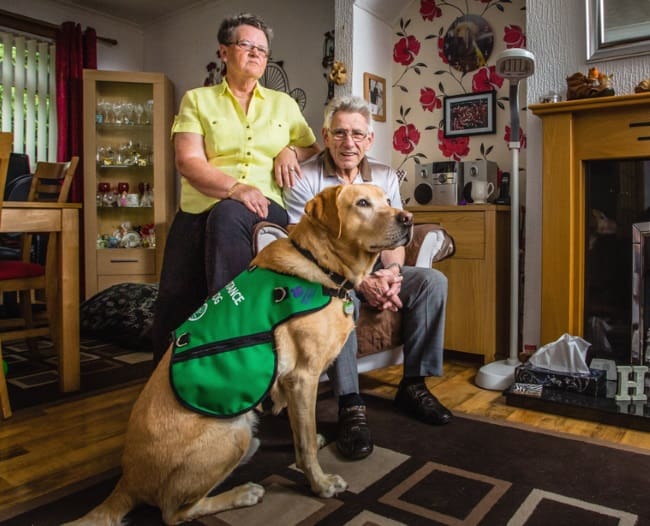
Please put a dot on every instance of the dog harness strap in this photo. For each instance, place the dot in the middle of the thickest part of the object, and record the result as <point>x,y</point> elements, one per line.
<point>341,281</point>
<point>224,360</point>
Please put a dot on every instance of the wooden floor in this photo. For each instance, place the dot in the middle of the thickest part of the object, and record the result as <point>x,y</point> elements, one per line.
<point>44,450</point>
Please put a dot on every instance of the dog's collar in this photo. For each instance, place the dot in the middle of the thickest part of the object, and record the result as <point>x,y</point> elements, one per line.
<point>345,285</point>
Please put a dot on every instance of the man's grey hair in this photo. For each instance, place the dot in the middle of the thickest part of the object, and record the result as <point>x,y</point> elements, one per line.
<point>347,104</point>
<point>227,28</point>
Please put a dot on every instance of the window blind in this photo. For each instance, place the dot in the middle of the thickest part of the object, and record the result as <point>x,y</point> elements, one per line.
<point>28,95</point>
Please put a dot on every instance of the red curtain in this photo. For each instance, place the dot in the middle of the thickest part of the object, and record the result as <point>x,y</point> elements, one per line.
<point>74,52</point>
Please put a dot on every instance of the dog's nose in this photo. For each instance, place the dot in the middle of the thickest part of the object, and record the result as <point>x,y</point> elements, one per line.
<point>404,217</point>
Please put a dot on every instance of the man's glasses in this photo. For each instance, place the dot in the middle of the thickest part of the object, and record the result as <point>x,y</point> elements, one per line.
<point>339,134</point>
<point>248,46</point>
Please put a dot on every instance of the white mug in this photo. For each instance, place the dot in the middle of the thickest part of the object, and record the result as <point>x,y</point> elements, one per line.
<point>481,191</point>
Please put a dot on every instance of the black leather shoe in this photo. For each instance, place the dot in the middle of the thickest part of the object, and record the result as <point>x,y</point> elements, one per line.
<point>353,437</point>
<point>417,401</point>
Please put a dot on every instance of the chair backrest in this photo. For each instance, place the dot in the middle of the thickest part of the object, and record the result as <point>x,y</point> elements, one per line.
<point>52,181</point>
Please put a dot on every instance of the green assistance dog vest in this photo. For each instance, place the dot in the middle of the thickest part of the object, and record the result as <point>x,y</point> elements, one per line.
<point>224,358</point>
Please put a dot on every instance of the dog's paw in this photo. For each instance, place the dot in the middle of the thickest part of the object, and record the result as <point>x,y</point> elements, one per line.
<point>248,494</point>
<point>332,485</point>
<point>320,441</point>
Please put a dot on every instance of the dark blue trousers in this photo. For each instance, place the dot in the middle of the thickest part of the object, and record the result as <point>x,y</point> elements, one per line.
<point>203,253</point>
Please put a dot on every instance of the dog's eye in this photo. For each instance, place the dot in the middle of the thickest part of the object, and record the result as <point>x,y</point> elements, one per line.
<point>389,203</point>
<point>363,202</point>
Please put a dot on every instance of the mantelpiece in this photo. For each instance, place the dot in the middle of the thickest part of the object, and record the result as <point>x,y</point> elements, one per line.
<point>575,132</point>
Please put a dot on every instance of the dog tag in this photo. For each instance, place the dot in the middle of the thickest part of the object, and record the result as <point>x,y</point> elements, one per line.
<point>348,307</point>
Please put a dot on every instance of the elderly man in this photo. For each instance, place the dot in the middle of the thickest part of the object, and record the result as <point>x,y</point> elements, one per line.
<point>419,293</point>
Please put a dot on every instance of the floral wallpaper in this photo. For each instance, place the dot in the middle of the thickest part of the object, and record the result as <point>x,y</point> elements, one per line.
<point>472,33</point>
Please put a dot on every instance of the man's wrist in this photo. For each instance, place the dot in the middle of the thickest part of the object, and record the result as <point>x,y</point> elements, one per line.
<point>394,265</point>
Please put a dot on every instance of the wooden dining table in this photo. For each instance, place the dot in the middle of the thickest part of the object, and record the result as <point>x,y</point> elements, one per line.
<point>63,218</point>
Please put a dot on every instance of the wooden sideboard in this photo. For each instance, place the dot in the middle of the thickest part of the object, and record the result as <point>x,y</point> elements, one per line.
<point>477,319</point>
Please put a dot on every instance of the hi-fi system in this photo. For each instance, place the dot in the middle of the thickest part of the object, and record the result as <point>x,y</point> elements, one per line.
<point>432,184</point>
<point>447,182</point>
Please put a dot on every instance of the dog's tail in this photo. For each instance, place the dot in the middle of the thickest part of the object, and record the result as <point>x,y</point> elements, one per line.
<point>111,511</point>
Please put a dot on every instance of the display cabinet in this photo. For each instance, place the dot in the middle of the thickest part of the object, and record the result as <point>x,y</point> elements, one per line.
<point>128,176</point>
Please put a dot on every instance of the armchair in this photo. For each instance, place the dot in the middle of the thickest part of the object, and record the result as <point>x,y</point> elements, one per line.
<point>379,332</point>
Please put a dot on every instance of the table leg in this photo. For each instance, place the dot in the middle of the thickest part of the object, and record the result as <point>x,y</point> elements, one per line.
<point>67,315</point>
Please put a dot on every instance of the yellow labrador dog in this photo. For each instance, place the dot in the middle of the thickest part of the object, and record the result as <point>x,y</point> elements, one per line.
<point>174,457</point>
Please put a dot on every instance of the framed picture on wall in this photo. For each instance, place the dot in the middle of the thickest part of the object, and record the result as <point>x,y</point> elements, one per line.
<point>374,91</point>
<point>471,114</point>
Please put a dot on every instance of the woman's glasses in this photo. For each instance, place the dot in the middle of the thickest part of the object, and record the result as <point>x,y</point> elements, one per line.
<point>248,46</point>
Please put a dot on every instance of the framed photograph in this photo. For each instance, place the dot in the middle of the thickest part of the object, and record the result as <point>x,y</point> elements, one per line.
<point>374,91</point>
<point>471,114</point>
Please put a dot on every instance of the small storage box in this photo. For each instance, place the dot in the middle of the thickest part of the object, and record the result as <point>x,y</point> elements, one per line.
<point>592,384</point>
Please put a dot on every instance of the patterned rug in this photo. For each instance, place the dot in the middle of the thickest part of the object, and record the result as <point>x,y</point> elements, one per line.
<point>470,472</point>
<point>32,379</point>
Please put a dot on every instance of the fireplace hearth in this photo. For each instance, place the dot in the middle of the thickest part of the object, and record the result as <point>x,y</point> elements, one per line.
<point>596,159</point>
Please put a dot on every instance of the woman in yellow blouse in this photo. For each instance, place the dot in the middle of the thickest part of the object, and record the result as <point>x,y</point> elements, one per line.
<point>236,145</point>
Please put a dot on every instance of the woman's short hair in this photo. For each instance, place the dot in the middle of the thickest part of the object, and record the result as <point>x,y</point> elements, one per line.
<point>348,104</point>
<point>227,28</point>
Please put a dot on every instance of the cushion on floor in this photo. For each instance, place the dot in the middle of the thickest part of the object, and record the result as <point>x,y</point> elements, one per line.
<point>122,314</point>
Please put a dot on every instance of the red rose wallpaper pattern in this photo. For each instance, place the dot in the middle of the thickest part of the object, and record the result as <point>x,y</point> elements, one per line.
<point>424,77</point>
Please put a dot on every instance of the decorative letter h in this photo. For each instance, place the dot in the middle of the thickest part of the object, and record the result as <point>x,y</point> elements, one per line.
<point>636,384</point>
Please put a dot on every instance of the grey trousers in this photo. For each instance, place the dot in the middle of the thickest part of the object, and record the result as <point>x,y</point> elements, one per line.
<point>424,295</point>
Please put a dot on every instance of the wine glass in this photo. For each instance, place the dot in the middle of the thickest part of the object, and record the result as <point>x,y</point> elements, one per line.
<point>138,109</point>
<point>148,112</point>
<point>127,108</point>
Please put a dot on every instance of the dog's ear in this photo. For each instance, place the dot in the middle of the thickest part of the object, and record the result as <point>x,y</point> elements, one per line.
<point>323,210</point>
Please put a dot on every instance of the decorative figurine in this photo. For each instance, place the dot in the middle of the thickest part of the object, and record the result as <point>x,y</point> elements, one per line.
<point>146,200</point>
<point>595,84</point>
<point>642,86</point>
<point>339,74</point>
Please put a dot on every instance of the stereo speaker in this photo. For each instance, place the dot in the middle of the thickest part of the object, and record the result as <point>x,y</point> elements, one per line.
<point>432,184</point>
<point>479,170</point>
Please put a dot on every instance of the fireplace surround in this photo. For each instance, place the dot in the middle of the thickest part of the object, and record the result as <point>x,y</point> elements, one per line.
<point>575,133</point>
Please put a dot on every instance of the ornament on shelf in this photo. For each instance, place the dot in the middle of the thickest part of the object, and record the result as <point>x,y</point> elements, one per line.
<point>642,86</point>
<point>594,84</point>
<point>146,199</point>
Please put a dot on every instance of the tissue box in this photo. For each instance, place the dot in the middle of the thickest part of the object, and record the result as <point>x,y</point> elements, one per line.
<point>592,384</point>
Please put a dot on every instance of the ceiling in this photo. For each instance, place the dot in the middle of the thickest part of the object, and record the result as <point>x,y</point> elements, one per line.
<point>136,11</point>
<point>142,11</point>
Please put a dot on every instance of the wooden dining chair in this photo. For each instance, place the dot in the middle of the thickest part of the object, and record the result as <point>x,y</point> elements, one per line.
<point>51,182</point>
<point>6,145</point>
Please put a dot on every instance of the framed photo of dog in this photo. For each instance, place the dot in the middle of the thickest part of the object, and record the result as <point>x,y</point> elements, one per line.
<point>374,91</point>
<point>471,114</point>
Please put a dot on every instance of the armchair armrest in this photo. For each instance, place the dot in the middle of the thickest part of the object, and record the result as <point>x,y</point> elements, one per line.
<point>430,243</point>
<point>266,232</point>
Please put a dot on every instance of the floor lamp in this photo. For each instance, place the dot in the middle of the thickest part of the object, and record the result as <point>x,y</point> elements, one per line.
<point>513,65</point>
